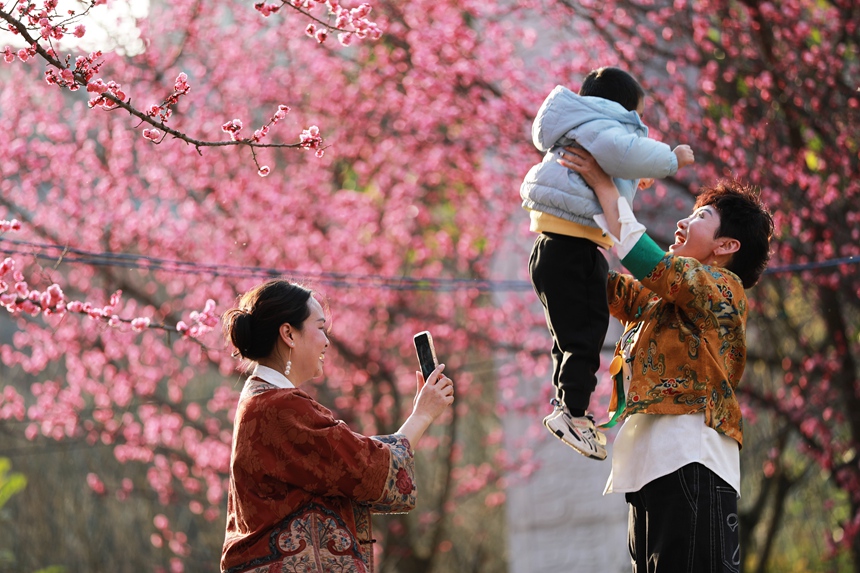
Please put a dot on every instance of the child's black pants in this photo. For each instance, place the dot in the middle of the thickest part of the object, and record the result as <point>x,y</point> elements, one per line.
<point>569,277</point>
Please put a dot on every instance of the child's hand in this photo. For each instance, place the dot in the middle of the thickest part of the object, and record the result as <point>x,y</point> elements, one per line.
<point>685,156</point>
<point>646,183</point>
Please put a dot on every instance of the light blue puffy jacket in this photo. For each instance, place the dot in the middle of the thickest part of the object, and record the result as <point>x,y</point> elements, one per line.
<point>616,138</point>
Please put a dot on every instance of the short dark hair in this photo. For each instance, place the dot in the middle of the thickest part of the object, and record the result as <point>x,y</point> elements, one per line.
<point>253,326</point>
<point>613,84</point>
<point>744,217</point>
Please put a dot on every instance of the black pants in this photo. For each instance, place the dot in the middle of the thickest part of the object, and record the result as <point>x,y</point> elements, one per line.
<point>569,277</point>
<point>684,522</point>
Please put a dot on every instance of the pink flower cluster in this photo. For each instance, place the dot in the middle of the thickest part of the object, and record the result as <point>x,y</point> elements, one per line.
<point>350,23</point>
<point>47,31</point>
<point>266,9</point>
<point>11,404</point>
<point>12,225</point>
<point>85,68</point>
<point>311,139</point>
<point>20,299</point>
<point>201,322</point>
<point>17,297</point>
<point>110,88</point>
<point>41,20</point>
<point>163,110</point>
<point>353,23</point>
<point>152,134</point>
<point>282,112</point>
<point>356,19</point>
<point>104,313</point>
<point>233,127</point>
<point>177,541</point>
<point>319,35</point>
<point>95,483</point>
<point>23,54</point>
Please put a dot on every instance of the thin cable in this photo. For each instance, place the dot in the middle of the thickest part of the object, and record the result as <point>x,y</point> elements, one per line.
<point>142,262</point>
<point>42,251</point>
<point>799,267</point>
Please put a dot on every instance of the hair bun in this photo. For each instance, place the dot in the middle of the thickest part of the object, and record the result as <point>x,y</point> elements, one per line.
<point>253,326</point>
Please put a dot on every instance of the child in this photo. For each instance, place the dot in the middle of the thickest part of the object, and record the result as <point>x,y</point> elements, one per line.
<point>566,269</point>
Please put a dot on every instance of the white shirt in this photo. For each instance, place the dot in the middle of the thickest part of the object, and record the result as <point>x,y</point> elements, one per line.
<point>272,376</point>
<point>650,446</point>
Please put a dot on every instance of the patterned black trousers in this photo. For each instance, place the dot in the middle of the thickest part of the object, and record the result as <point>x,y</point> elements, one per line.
<point>684,522</point>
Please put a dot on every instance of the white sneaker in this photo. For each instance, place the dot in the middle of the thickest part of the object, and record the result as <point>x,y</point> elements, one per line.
<point>579,433</point>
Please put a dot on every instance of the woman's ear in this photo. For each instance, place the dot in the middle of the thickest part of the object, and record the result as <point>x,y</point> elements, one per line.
<point>727,246</point>
<point>286,332</point>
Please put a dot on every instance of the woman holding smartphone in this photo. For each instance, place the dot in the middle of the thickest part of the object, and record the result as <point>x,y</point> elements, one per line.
<point>302,484</point>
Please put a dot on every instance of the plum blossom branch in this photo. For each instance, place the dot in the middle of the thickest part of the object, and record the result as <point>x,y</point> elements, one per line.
<point>17,297</point>
<point>109,95</point>
<point>349,23</point>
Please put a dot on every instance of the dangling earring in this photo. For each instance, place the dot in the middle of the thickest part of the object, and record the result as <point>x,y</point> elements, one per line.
<point>289,363</point>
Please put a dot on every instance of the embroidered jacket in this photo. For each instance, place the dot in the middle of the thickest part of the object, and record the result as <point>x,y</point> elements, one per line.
<point>690,348</point>
<point>303,486</point>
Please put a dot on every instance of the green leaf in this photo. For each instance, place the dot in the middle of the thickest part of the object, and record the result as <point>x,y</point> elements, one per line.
<point>815,36</point>
<point>10,483</point>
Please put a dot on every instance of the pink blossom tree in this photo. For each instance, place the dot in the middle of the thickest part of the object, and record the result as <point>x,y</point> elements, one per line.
<point>135,228</point>
<point>768,92</point>
<point>140,213</point>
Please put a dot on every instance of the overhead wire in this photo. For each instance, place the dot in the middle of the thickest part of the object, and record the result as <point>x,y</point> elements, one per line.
<point>59,253</point>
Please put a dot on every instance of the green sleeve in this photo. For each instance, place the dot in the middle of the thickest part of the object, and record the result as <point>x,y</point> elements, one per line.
<point>643,257</point>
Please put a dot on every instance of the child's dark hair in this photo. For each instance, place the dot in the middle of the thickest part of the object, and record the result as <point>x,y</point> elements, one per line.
<point>613,84</point>
<point>743,217</point>
<point>253,326</point>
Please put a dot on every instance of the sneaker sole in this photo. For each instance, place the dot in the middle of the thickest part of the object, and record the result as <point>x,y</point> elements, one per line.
<point>561,436</point>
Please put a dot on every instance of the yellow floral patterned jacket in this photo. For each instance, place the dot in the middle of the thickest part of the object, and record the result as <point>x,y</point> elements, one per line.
<point>690,347</point>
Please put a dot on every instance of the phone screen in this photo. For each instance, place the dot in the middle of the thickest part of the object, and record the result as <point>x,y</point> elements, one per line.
<point>426,353</point>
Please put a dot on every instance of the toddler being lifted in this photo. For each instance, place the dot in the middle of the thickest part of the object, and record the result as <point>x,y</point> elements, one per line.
<point>567,271</point>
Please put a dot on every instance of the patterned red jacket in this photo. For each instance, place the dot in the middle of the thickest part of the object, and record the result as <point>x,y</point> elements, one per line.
<point>303,486</point>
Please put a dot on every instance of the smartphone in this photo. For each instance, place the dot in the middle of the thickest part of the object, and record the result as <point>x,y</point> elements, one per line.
<point>426,353</point>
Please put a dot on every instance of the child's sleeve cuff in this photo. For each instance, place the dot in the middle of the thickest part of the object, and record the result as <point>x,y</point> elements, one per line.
<point>631,229</point>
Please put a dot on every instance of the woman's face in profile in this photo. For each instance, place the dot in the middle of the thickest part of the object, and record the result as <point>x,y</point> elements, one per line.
<point>308,354</point>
